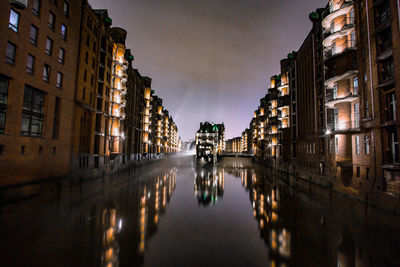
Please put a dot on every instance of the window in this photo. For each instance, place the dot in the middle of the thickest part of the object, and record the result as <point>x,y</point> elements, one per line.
<point>49,46</point>
<point>85,75</point>
<point>33,35</point>
<point>30,63</point>
<point>46,73</point>
<point>10,53</point>
<point>91,80</point>
<point>3,101</point>
<point>52,19</point>
<point>93,63</point>
<point>36,7</point>
<point>88,40</point>
<point>32,112</point>
<point>353,39</point>
<point>54,2</point>
<point>56,120</point>
<point>356,115</point>
<point>61,55</point>
<point>22,150</point>
<point>358,171</point>
<point>393,153</point>
<point>40,150</point>
<point>336,119</point>
<point>54,150</point>
<point>351,16</point>
<point>86,57</point>
<point>83,93</point>
<point>63,32</point>
<point>59,80</point>
<point>94,46</point>
<point>14,20</point>
<point>390,107</point>
<point>66,9</point>
<point>335,91</point>
<point>366,144</point>
<point>337,145</point>
<point>355,86</point>
<point>357,143</point>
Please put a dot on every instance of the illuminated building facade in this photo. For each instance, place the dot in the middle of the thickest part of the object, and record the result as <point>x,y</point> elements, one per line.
<point>245,141</point>
<point>210,139</point>
<point>78,103</point>
<point>93,83</point>
<point>234,145</point>
<point>333,110</point>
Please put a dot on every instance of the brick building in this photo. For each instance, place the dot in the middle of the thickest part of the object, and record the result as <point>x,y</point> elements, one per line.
<point>39,51</point>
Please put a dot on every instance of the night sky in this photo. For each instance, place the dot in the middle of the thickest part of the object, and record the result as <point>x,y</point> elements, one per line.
<point>211,59</point>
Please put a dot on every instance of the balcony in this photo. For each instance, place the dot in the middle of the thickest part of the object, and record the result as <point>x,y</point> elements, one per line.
<point>337,50</point>
<point>333,75</point>
<point>336,12</point>
<point>343,127</point>
<point>331,99</point>
<point>331,34</point>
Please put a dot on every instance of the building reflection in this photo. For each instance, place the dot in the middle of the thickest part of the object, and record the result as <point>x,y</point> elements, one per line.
<point>117,231</point>
<point>209,185</point>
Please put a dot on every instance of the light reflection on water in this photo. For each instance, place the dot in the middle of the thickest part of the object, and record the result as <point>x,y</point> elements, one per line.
<point>238,215</point>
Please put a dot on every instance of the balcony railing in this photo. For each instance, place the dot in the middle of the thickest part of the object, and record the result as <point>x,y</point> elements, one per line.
<point>333,97</point>
<point>343,126</point>
<point>339,49</point>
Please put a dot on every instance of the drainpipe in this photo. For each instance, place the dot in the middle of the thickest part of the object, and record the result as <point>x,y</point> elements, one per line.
<point>371,89</point>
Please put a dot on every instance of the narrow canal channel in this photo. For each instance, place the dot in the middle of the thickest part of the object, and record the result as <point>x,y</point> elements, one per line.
<point>175,213</point>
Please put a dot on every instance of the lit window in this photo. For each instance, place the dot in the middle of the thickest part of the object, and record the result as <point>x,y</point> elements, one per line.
<point>66,9</point>
<point>61,55</point>
<point>14,20</point>
<point>36,7</point>
<point>46,73</point>
<point>356,115</point>
<point>52,19</point>
<point>59,80</point>
<point>49,46</point>
<point>63,32</point>
<point>337,145</point>
<point>10,53</point>
<point>366,144</point>
<point>33,35</point>
<point>30,63</point>
<point>357,144</point>
<point>355,86</point>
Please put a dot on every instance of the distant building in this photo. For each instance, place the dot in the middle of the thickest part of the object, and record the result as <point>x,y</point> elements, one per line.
<point>234,145</point>
<point>210,139</point>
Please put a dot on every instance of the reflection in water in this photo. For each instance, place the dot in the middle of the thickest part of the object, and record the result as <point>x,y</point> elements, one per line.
<point>152,195</point>
<point>209,185</point>
<point>110,222</point>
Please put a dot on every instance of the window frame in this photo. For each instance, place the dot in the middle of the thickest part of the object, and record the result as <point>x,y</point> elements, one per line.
<point>49,51</point>
<point>11,60</point>
<point>61,60</point>
<point>34,40</point>
<point>66,9</point>
<point>34,10</point>
<point>59,80</point>
<point>30,70</point>
<point>64,31</point>
<point>13,27</point>
<point>48,68</point>
<point>53,22</point>
<point>30,112</point>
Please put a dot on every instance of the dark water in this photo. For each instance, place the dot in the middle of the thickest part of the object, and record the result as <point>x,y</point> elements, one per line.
<point>174,213</point>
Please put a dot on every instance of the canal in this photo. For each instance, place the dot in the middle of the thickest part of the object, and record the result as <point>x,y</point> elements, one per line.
<point>176,213</point>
